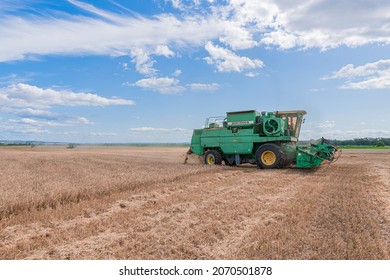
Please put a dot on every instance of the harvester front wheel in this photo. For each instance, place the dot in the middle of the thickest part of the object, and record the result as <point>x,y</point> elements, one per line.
<point>212,157</point>
<point>269,156</point>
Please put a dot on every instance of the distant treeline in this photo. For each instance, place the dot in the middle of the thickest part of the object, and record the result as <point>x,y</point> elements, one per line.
<point>362,142</point>
<point>354,142</point>
<point>15,144</point>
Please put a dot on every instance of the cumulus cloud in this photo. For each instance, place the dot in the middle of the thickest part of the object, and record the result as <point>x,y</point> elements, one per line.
<point>28,96</point>
<point>375,75</point>
<point>163,50</point>
<point>325,25</point>
<point>227,61</point>
<point>33,105</point>
<point>143,62</point>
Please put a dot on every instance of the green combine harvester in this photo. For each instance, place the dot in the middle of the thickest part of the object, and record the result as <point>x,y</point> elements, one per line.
<point>268,139</point>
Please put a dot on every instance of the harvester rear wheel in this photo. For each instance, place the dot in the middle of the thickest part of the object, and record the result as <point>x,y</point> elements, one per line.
<point>212,157</point>
<point>269,156</point>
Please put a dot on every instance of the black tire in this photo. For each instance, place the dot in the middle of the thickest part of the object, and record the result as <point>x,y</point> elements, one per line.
<point>269,156</point>
<point>212,157</point>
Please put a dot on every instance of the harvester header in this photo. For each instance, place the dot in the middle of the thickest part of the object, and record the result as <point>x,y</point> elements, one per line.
<point>268,139</point>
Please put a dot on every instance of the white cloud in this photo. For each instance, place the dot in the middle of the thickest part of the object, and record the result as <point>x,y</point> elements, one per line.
<point>25,121</point>
<point>163,50</point>
<point>164,85</point>
<point>238,24</point>
<point>251,74</point>
<point>26,126</point>
<point>33,107</point>
<point>203,87</point>
<point>304,24</point>
<point>31,113</point>
<point>245,21</point>
<point>82,120</point>
<point>156,129</point>
<point>280,38</point>
<point>326,124</point>
<point>168,85</point>
<point>109,34</point>
<point>184,4</point>
<point>29,122</point>
<point>325,24</point>
<point>29,96</point>
<point>238,37</point>
<point>374,75</point>
<point>143,62</point>
<point>227,61</point>
<point>102,134</point>
<point>15,79</point>
<point>125,65</point>
<point>177,73</point>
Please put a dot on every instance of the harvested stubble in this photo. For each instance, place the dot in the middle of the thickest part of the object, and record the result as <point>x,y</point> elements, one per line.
<point>145,204</point>
<point>36,179</point>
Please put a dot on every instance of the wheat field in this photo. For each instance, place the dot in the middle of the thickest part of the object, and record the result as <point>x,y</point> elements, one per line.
<point>144,203</point>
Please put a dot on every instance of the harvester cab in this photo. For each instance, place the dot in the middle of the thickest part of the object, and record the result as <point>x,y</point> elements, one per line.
<point>268,139</point>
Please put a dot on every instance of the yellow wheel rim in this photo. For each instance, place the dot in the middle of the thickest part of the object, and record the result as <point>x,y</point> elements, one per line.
<point>268,157</point>
<point>210,160</point>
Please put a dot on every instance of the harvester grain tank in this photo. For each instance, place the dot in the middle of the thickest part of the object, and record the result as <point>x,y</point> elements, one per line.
<point>268,139</point>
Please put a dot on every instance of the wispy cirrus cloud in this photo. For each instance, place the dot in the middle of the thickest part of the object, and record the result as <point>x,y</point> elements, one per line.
<point>107,34</point>
<point>220,27</point>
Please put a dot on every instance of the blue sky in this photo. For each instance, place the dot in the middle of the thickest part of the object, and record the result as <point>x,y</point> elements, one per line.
<point>152,71</point>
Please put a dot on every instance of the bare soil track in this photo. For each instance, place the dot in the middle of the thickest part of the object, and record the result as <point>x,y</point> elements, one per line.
<point>144,203</point>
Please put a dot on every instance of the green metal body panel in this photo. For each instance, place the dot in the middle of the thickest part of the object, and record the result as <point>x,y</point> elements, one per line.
<point>241,119</point>
<point>306,159</point>
<point>196,147</point>
<point>314,155</point>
